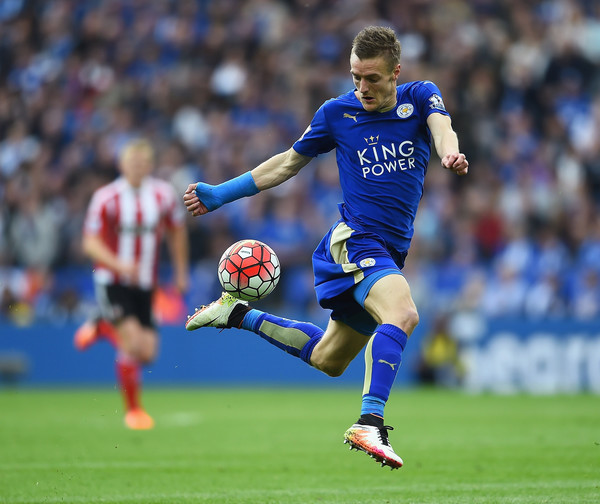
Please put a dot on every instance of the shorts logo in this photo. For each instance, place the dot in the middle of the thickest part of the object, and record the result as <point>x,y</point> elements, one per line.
<point>405,110</point>
<point>367,262</point>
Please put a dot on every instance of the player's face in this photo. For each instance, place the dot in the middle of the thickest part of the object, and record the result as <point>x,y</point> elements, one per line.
<point>135,165</point>
<point>375,83</point>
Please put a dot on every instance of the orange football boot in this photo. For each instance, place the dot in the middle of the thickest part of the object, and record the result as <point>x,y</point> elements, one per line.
<point>138,419</point>
<point>87,334</point>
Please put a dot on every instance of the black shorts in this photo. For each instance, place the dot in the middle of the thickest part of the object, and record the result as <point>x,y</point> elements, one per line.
<point>118,301</point>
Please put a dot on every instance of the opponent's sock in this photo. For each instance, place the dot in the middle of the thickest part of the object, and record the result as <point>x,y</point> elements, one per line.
<point>108,331</point>
<point>128,376</point>
<point>292,336</point>
<point>383,356</point>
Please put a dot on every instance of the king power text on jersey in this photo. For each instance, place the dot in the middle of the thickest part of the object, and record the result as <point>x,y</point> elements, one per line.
<point>379,159</point>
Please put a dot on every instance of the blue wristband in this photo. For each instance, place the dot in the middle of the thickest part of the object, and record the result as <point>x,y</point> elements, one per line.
<point>215,196</point>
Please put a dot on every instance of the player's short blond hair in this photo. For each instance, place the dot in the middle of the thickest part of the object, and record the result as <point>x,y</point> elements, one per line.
<point>137,145</point>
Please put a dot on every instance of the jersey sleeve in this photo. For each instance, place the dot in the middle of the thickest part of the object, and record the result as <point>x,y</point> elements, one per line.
<point>95,214</point>
<point>429,98</point>
<point>317,138</point>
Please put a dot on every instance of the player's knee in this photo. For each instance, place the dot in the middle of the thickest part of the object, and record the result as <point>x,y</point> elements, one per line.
<point>329,367</point>
<point>146,357</point>
<point>406,319</point>
<point>411,320</point>
<point>148,352</point>
<point>334,370</point>
<point>144,352</point>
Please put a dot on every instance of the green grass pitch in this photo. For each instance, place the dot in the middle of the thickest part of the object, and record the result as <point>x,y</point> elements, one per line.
<point>285,446</point>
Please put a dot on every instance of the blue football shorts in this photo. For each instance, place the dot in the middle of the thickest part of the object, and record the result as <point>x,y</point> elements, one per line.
<point>346,264</point>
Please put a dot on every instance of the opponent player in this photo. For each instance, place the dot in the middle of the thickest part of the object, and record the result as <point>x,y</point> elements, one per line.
<point>124,225</point>
<point>382,135</point>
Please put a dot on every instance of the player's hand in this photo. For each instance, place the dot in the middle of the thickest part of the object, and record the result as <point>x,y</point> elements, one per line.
<point>456,162</point>
<point>128,270</point>
<point>192,202</point>
<point>182,282</point>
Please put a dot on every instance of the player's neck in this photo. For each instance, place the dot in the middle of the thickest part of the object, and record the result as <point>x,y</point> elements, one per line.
<point>389,107</point>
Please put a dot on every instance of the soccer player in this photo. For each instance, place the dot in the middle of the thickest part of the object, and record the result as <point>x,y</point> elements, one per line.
<point>123,229</point>
<point>382,134</point>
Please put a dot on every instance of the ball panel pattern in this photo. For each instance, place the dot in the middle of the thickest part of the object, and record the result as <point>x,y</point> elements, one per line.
<point>249,270</point>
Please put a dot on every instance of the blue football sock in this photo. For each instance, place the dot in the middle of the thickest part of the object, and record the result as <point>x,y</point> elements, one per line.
<point>291,336</point>
<point>383,356</point>
<point>372,405</point>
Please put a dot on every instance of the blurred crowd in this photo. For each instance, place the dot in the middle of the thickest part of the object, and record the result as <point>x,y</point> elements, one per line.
<point>220,85</point>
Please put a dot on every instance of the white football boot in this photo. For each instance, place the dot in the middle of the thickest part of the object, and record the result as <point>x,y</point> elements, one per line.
<point>225,312</point>
<point>374,442</point>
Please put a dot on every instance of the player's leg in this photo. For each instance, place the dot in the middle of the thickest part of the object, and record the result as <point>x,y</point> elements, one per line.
<point>139,341</point>
<point>94,330</point>
<point>329,351</point>
<point>99,327</point>
<point>139,347</point>
<point>292,336</point>
<point>337,348</point>
<point>390,303</point>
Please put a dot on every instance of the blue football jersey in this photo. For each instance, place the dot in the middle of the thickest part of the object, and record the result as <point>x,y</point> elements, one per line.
<point>382,157</point>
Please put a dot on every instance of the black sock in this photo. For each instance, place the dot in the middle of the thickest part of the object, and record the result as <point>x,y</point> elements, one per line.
<point>370,419</point>
<point>237,315</point>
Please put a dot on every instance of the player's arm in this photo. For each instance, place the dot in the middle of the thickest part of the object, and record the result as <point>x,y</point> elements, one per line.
<point>201,198</point>
<point>95,248</point>
<point>278,169</point>
<point>177,241</point>
<point>446,143</point>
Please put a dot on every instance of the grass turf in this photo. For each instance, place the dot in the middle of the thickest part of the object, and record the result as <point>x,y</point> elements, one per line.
<point>285,446</point>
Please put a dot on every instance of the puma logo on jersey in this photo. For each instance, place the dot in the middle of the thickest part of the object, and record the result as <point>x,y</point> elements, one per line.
<point>350,116</point>
<point>388,363</point>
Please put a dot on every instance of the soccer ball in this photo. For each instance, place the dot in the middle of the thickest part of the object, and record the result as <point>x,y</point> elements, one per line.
<point>249,270</point>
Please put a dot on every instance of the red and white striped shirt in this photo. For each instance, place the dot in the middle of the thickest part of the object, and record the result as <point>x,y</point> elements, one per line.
<point>131,222</point>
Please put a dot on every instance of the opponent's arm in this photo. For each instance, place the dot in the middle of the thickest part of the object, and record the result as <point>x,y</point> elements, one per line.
<point>177,241</point>
<point>201,198</point>
<point>446,144</point>
<point>95,248</point>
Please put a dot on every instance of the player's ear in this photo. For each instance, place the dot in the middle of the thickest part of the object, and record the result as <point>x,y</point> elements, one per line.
<point>396,72</point>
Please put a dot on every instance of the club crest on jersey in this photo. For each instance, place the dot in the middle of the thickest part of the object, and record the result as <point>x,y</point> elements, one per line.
<point>405,110</point>
<point>436,102</point>
<point>365,263</point>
